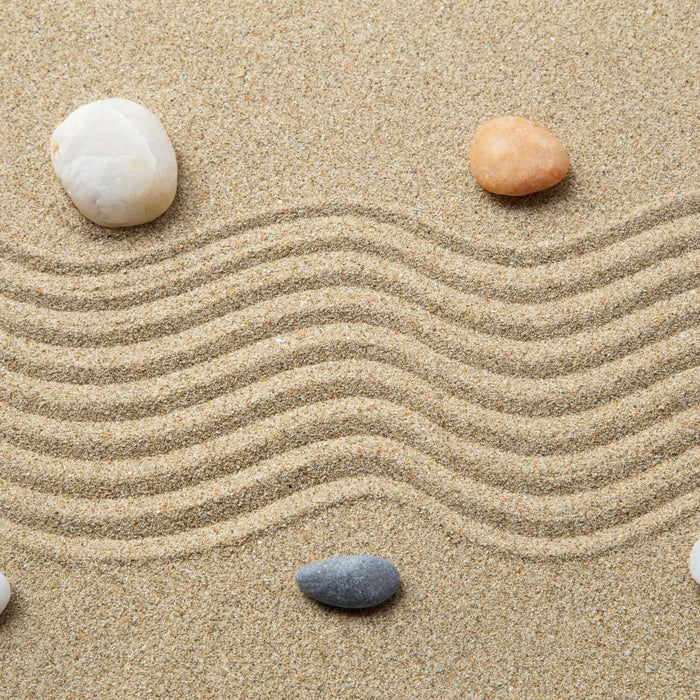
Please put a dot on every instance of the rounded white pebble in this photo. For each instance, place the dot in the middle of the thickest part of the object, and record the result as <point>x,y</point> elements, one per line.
<point>116,162</point>
<point>4,592</point>
<point>694,564</point>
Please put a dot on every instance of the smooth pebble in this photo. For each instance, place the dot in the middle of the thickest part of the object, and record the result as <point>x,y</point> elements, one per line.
<point>4,592</point>
<point>514,156</point>
<point>116,162</point>
<point>694,564</point>
<point>358,581</point>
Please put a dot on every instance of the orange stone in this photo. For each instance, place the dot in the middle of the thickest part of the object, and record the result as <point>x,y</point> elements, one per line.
<point>514,156</point>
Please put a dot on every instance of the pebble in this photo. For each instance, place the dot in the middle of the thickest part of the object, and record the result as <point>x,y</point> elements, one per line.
<point>116,162</point>
<point>694,564</point>
<point>514,156</point>
<point>359,581</point>
<point>4,592</point>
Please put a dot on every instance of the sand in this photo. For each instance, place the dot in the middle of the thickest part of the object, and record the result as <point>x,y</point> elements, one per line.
<point>335,342</point>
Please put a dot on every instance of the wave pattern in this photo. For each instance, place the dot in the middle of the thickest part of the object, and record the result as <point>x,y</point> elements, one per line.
<point>541,400</point>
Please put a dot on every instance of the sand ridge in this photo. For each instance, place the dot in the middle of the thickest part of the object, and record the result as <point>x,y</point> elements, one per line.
<point>547,407</point>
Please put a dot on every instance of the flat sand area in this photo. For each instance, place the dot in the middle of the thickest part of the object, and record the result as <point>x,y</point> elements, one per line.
<point>336,342</point>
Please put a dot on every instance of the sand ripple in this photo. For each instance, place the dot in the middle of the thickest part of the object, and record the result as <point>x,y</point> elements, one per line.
<point>165,402</point>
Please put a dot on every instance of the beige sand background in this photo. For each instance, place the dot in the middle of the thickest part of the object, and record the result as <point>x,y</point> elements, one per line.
<point>335,342</point>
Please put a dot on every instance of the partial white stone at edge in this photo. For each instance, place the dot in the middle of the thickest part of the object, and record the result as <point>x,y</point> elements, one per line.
<point>4,592</point>
<point>116,162</point>
<point>694,565</point>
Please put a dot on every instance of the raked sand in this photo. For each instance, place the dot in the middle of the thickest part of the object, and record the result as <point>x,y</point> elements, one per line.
<point>335,342</point>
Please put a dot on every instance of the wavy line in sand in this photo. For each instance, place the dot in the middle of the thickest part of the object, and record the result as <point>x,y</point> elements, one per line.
<point>342,342</point>
<point>352,383</point>
<point>654,322</point>
<point>297,470</point>
<point>525,256</point>
<point>346,492</point>
<point>666,282</point>
<point>260,248</point>
<point>536,359</point>
<point>244,448</point>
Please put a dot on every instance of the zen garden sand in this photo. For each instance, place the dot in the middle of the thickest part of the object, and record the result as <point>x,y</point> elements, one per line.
<point>331,340</point>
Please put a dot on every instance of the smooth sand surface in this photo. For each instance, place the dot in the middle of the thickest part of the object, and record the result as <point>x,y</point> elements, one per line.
<point>335,342</point>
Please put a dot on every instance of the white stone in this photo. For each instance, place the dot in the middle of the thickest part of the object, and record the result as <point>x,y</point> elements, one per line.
<point>4,592</point>
<point>116,162</point>
<point>694,564</point>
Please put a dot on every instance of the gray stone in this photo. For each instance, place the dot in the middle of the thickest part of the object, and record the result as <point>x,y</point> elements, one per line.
<point>359,581</point>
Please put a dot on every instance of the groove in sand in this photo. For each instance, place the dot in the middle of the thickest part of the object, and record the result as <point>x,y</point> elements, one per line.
<point>303,359</point>
<point>180,388</point>
<point>394,285</point>
<point>227,497</point>
<point>343,492</point>
<point>528,255</point>
<point>535,359</point>
<point>133,286</point>
<point>354,382</point>
<point>244,448</point>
